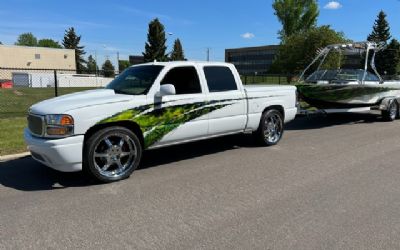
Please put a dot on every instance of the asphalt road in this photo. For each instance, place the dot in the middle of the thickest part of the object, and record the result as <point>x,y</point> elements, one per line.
<point>331,183</point>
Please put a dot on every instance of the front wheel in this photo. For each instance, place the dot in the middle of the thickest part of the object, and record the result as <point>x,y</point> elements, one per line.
<point>270,130</point>
<point>112,154</point>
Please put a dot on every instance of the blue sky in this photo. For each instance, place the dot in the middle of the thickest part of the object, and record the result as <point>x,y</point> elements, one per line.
<point>108,27</point>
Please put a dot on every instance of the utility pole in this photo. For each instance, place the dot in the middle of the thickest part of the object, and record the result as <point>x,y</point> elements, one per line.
<point>208,54</point>
<point>95,58</point>
<point>118,61</point>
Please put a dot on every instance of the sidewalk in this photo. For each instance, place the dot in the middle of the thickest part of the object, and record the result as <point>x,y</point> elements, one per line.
<point>4,158</point>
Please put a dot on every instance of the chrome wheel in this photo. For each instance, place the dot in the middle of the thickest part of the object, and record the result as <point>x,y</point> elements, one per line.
<point>114,155</point>
<point>393,110</point>
<point>273,128</point>
<point>391,113</point>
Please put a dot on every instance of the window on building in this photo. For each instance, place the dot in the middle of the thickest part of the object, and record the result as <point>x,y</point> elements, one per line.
<point>185,80</point>
<point>219,78</point>
<point>37,56</point>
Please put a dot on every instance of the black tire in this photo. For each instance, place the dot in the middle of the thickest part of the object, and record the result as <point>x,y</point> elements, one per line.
<point>112,154</point>
<point>267,133</point>
<point>392,112</point>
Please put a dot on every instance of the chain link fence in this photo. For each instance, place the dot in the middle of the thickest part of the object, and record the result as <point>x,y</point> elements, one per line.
<point>20,88</point>
<point>269,79</point>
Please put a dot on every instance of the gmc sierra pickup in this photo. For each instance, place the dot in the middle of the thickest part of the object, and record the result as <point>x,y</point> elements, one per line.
<point>105,131</point>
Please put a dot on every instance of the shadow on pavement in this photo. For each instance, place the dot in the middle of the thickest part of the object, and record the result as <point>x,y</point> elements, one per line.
<point>321,121</point>
<point>28,175</point>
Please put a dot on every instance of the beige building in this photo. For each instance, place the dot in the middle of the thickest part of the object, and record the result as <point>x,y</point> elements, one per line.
<point>24,58</point>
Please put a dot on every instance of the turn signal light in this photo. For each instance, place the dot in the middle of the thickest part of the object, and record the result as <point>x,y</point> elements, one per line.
<point>66,120</point>
<point>57,131</point>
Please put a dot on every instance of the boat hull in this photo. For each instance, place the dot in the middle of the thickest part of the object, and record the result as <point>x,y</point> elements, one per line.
<point>328,96</point>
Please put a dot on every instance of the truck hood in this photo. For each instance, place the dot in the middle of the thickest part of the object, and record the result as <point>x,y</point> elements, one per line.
<point>65,103</point>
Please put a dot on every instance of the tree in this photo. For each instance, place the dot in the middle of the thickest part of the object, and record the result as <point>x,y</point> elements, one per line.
<point>91,65</point>
<point>122,65</point>
<point>392,58</point>
<point>295,15</point>
<point>177,52</point>
<point>108,69</point>
<point>49,43</point>
<point>381,34</point>
<point>155,46</point>
<point>71,41</point>
<point>26,39</point>
<point>299,50</point>
<point>380,30</point>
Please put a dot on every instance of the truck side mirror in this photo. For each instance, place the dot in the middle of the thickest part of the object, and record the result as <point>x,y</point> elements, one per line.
<point>166,89</point>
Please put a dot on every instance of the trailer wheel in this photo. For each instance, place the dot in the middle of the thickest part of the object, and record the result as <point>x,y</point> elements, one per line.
<point>392,112</point>
<point>112,154</point>
<point>270,130</point>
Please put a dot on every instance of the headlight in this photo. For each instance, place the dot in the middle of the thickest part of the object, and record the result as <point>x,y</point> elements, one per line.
<point>59,125</point>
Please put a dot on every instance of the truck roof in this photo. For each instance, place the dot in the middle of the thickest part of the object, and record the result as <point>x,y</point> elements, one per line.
<point>179,63</point>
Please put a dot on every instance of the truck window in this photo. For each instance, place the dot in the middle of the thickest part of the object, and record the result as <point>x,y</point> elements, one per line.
<point>135,80</point>
<point>185,80</point>
<point>219,78</point>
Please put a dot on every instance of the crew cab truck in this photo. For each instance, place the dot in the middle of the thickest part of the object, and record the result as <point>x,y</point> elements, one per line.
<point>152,105</point>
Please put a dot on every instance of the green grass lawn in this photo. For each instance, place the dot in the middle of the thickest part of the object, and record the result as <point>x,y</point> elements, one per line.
<point>15,102</point>
<point>11,135</point>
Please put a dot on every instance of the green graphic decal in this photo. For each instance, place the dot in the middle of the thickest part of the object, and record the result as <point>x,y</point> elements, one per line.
<point>333,93</point>
<point>156,122</point>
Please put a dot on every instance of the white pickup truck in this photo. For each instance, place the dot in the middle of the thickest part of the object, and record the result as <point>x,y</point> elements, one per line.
<point>105,131</point>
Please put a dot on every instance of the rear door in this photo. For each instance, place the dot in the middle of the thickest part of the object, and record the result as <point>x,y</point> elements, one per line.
<point>228,99</point>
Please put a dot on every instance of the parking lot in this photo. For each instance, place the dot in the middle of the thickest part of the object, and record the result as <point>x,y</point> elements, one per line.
<point>331,183</point>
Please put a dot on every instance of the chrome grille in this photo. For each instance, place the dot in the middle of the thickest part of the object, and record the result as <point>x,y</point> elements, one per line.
<point>35,124</point>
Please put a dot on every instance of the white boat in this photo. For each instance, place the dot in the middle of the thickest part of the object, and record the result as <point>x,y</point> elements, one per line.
<point>349,88</point>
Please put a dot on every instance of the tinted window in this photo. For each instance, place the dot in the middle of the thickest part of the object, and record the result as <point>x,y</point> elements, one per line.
<point>136,80</point>
<point>185,80</point>
<point>219,78</point>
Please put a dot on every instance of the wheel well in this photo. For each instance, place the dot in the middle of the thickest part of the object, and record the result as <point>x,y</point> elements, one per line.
<point>279,108</point>
<point>134,127</point>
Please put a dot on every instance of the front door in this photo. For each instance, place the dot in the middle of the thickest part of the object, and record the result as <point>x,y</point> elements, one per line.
<point>183,114</point>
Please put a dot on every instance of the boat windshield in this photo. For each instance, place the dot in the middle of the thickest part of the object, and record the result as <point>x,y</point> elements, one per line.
<point>135,80</point>
<point>340,75</point>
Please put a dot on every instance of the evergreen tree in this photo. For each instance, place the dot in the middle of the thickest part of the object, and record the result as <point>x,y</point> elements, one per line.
<point>122,65</point>
<point>26,39</point>
<point>177,52</point>
<point>381,34</point>
<point>91,65</point>
<point>392,57</point>
<point>71,41</point>
<point>49,43</point>
<point>155,48</point>
<point>295,15</point>
<point>380,30</point>
<point>108,69</point>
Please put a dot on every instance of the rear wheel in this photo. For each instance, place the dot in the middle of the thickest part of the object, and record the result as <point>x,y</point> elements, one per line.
<point>270,130</point>
<point>112,154</point>
<point>392,112</point>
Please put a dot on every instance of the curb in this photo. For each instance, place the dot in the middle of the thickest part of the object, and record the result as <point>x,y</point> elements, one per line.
<point>4,158</point>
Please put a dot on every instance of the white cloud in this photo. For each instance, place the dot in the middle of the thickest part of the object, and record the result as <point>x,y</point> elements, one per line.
<point>247,35</point>
<point>333,5</point>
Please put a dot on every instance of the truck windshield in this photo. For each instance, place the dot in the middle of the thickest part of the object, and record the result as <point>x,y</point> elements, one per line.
<point>135,80</point>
